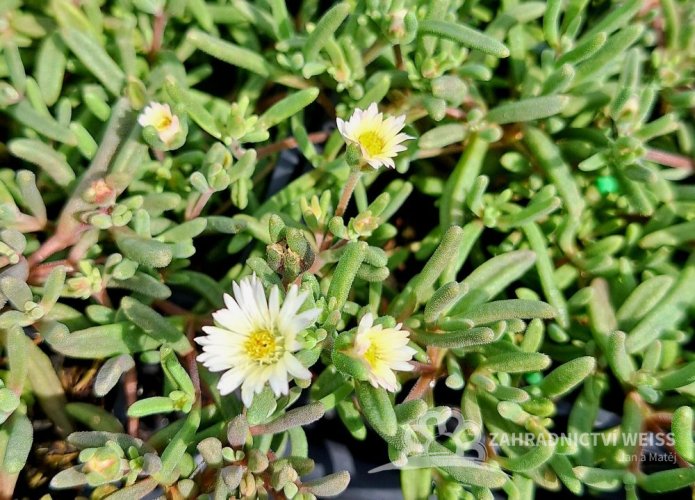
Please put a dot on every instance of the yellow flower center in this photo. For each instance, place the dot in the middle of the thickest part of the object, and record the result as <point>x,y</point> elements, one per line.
<point>372,355</point>
<point>372,141</point>
<point>262,347</point>
<point>162,122</point>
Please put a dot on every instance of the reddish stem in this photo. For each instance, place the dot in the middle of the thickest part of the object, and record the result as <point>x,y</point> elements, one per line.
<point>130,387</point>
<point>327,105</point>
<point>398,55</point>
<point>289,143</point>
<point>423,384</point>
<point>160,22</point>
<point>190,358</point>
<point>348,189</point>
<point>199,205</point>
<point>456,113</point>
<point>52,245</point>
<point>82,246</point>
<point>654,427</point>
<point>316,265</point>
<point>423,368</point>
<point>170,308</point>
<point>669,159</point>
<point>28,223</point>
<point>102,297</point>
<point>434,152</point>
<point>39,274</point>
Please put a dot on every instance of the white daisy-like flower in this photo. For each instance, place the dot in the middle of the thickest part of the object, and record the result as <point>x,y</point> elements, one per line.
<point>254,339</point>
<point>160,117</point>
<point>382,350</point>
<point>380,139</point>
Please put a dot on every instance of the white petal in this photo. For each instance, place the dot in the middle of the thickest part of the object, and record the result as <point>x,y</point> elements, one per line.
<point>244,293</point>
<point>295,368</point>
<point>399,121</point>
<point>403,137</point>
<point>230,381</point>
<point>303,320</point>
<point>259,296</point>
<point>387,379</point>
<point>235,308</point>
<point>372,110</point>
<point>234,322</point>
<point>278,380</point>
<point>402,366</point>
<point>274,303</point>
<point>260,378</point>
<point>247,394</point>
<point>341,126</point>
<point>145,117</point>
<point>208,359</point>
<point>293,301</point>
<point>229,301</point>
<point>169,133</point>
<point>395,149</point>
<point>213,333</point>
<point>361,344</point>
<point>366,323</point>
<point>392,126</point>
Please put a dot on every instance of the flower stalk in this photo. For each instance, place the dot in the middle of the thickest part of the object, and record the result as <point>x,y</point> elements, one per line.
<point>348,189</point>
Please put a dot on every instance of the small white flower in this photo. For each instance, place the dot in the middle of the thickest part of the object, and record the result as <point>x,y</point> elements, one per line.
<point>254,339</point>
<point>382,350</point>
<point>379,138</point>
<point>160,117</point>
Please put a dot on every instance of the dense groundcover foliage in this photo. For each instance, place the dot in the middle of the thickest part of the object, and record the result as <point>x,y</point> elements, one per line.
<point>460,230</point>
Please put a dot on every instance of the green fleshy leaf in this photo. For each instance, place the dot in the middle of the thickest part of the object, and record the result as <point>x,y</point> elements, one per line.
<point>377,408</point>
<point>463,35</point>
